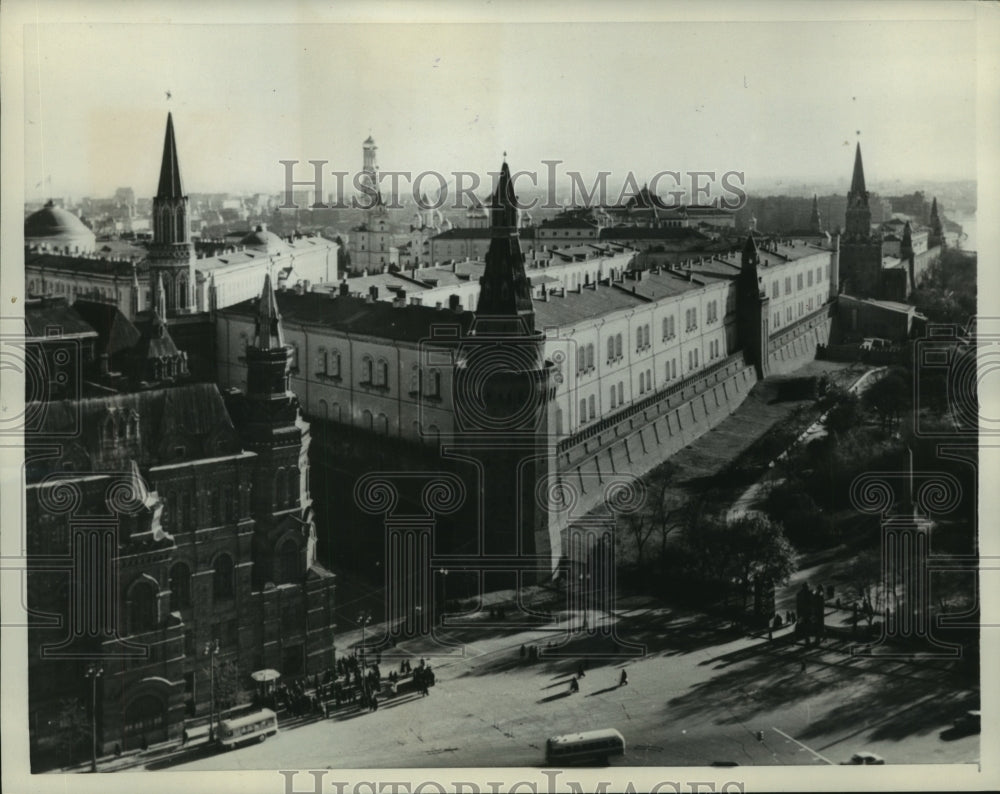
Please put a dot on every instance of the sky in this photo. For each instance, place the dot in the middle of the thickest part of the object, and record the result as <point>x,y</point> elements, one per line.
<point>773,100</point>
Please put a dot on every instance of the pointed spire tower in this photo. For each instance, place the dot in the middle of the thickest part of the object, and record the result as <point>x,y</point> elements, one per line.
<point>505,291</point>
<point>171,254</point>
<point>936,236</point>
<point>858,221</point>
<point>860,267</point>
<point>271,425</point>
<point>269,360</point>
<point>815,224</point>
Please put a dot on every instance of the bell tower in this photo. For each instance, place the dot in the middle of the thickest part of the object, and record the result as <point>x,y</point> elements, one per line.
<point>171,255</point>
<point>861,249</point>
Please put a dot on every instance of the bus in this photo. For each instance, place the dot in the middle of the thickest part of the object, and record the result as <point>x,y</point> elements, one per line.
<point>589,746</point>
<point>240,730</point>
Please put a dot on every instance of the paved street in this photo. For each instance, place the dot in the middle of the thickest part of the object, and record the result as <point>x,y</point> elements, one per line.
<point>701,694</point>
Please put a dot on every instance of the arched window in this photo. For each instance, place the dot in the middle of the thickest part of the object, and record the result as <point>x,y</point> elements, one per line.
<point>288,562</point>
<point>583,410</point>
<point>618,345</point>
<point>142,607</point>
<point>382,372</point>
<point>366,419</point>
<point>367,370</point>
<point>593,404</point>
<point>180,586</point>
<point>559,421</point>
<point>222,577</point>
<point>415,379</point>
<point>611,348</point>
<point>581,359</point>
<point>638,338</point>
<point>182,289</point>
<point>590,356</point>
<point>382,425</point>
<point>613,397</point>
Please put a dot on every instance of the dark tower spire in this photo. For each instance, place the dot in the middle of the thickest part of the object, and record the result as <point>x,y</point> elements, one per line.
<point>858,220</point>
<point>936,236</point>
<point>170,170</point>
<point>858,178</point>
<point>505,289</point>
<point>815,225</point>
<point>171,254</point>
<point>267,325</point>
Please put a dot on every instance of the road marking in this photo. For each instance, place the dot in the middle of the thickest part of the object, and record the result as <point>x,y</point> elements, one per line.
<point>818,755</point>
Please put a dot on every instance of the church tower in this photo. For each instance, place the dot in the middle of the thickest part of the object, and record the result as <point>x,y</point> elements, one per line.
<point>861,249</point>
<point>503,390</point>
<point>815,224</point>
<point>171,255</point>
<point>936,236</point>
<point>271,425</point>
<point>505,292</point>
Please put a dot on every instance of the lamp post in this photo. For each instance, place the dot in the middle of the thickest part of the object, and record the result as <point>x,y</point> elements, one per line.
<point>93,673</point>
<point>211,651</point>
<point>364,618</point>
<point>444,593</point>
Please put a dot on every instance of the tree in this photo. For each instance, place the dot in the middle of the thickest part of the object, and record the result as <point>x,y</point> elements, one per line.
<point>636,528</point>
<point>74,726</point>
<point>759,552</point>
<point>842,411</point>
<point>865,581</point>
<point>889,397</point>
<point>740,553</point>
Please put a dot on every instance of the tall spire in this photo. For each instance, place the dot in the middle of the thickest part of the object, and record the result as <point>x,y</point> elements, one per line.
<point>858,178</point>
<point>750,255</point>
<point>503,214</point>
<point>161,297</point>
<point>505,290</point>
<point>267,328</point>
<point>170,170</point>
<point>815,225</point>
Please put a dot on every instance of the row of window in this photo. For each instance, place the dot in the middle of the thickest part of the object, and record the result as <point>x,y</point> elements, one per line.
<point>616,392</point>
<point>803,308</point>
<point>802,280</point>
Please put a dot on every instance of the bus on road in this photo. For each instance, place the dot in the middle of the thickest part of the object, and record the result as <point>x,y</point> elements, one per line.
<point>252,727</point>
<point>587,747</point>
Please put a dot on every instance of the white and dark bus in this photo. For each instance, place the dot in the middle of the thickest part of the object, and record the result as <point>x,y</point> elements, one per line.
<point>252,727</point>
<point>587,747</point>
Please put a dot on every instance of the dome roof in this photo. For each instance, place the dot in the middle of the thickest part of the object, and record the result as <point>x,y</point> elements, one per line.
<point>54,225</point>
<point>262,238</point>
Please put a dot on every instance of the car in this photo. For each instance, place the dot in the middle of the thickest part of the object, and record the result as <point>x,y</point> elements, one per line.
<point>865,758</point>
<point>971,721</point>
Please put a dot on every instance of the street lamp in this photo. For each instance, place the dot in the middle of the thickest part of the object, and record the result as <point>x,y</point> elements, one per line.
<point>364,618</point>
<point>93,673</point>
<point>444,592</point>
<point>211,651</point>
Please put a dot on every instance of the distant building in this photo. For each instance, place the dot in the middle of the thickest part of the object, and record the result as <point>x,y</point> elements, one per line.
<point>60,257</point>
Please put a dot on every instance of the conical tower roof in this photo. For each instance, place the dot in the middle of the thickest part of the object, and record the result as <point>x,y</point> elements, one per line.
<point>267,332</point>
<point>170,170</point>
<point>858,178</point>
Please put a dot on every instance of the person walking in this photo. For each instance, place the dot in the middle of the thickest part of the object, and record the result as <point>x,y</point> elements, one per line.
<point>623,681</point>
<point>574,685</point>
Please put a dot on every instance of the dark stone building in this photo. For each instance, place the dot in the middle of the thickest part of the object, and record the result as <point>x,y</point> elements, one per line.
<point>164,521</point>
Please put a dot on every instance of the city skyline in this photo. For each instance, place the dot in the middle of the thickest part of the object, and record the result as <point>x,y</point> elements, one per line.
<point>316,92</point>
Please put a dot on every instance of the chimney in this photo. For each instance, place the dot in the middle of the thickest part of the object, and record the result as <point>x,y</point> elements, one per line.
<point>345,289</point>
<point>373,292</point>
<point>454,303</point>
<point>306,285</point>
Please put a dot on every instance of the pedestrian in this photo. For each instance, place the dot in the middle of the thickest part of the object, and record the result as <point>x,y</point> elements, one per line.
<point>623,681</point>
<point>580,670</point>
<point>574,685</point>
